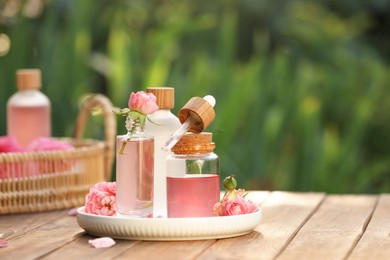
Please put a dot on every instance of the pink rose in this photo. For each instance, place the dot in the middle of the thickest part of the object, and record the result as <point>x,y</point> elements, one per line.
<point>101,199</point>
<point>234,203</point>
<point>218,209</point>
<point>238,206</point>
<point>142,102</point>
<point>9,144</point>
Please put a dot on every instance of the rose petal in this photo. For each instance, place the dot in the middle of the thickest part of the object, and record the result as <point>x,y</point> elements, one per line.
<point>9,144</point>
<point>148,108</point>
<point>72,212</point>
<point>103,242</point>
<point>133,101</point>
<point>3,243</point>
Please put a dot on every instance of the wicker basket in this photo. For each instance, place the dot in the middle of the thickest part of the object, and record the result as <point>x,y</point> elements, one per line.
<point>42,181</point>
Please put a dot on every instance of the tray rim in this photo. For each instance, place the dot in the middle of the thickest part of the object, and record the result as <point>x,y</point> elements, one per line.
<point>168,229</point>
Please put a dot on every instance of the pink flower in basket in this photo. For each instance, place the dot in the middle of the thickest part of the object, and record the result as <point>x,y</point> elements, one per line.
<point>9,144</point>
<point>42,144</point>
<point>101,199</point>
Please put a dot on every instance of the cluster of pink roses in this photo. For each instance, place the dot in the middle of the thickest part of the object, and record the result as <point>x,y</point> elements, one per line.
<point>233,202</point>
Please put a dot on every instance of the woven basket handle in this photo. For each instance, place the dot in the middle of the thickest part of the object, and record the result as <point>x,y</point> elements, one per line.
<point>109,126</point>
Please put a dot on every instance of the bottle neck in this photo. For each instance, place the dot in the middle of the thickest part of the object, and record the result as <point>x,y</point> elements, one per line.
<point>29,90</point>
<point>194,155</point>
<point>133,126</point>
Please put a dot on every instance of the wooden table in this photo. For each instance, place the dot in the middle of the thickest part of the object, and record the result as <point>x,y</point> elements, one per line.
<point>294,226</point>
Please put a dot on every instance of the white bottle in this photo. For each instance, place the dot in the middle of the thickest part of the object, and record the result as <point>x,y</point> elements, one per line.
<point>28,110</point>
<point>166,124</point>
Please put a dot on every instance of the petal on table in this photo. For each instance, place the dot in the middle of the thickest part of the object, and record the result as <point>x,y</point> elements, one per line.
<point>102,242</point>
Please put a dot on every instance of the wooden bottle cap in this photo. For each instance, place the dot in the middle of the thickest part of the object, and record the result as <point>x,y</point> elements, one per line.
<point>165,96</point>
<point>28,79</point>
<point>199,111</point>
<point>191,143</point>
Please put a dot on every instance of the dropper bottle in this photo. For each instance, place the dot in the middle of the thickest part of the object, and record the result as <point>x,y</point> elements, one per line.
<point>195,116</point>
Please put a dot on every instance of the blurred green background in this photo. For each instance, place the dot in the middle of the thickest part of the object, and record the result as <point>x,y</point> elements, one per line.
<point>302,87</point>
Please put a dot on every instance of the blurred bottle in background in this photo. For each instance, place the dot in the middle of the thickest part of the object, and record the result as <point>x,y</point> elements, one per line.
<point>28,110</point>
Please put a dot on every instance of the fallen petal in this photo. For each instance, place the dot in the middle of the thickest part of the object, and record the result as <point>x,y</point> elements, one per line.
<point>102,242</point>
<point>72,212</point>
<point>3,243</point>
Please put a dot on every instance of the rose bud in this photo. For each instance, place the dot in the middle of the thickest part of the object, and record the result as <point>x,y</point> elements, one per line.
<point>230,183</point>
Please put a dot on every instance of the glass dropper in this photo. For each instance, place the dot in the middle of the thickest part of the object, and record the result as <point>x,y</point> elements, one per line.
<point>185,127</point>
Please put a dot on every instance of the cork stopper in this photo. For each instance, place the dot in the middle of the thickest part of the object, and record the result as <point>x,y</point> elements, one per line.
<point>28,79</point>
<point>165,96</point>
<point>200,112</point>
<point>192,143</point>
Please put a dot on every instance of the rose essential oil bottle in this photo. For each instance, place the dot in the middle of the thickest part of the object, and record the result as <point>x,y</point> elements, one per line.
<point>193,167</point>
<point>163,126</point>
<point>28,110</point>
<point>134,171</point>
<point>193,177</point>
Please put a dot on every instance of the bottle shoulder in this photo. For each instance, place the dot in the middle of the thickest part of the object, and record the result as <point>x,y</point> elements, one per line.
<point>28,98</point>
<point>164,120</point>
<point>164,114</point>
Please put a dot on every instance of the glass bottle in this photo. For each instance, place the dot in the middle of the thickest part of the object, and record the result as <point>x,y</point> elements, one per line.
<point>134,171</point>
<point>28,110</point>
<point>193,177</point>
<point>163,126</point>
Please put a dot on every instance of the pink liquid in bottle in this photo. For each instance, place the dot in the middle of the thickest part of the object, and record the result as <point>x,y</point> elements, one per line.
<point>134,176</point>
<point>192,195</point>
<point>27,123</point>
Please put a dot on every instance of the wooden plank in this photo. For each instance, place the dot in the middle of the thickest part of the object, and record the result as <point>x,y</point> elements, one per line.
<point>16,225</point>
<point>43,239</point>
<point>375,242</point>
<point>80,249</point>
<point>167,250</point>
<point>333,230</point>
<point>258,197</point>
<point>283,214</point>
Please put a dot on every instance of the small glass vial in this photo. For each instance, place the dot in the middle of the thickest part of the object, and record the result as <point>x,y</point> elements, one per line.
<point>193,177</point>
<point>134,171</point>
<point>28,110</point>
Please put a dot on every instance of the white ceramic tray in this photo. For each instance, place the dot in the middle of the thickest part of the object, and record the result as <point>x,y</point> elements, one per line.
<point>166,229</point>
